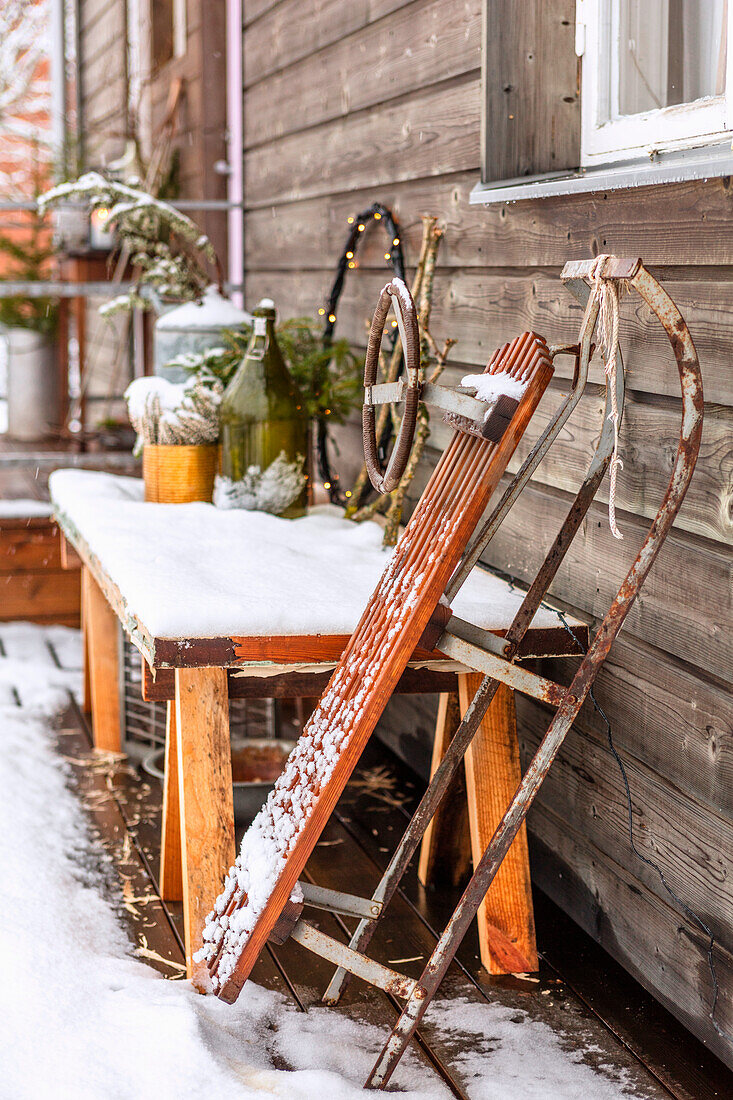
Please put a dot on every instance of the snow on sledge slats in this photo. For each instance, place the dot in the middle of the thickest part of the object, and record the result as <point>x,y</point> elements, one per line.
<point>277,845</point>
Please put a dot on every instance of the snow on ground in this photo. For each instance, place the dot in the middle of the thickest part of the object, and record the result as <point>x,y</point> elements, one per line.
<point>84,1019</point>
<point>244,573</point>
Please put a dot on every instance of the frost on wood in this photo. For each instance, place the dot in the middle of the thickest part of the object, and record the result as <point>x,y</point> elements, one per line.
<point>165,412</point>
<point>271,490</point>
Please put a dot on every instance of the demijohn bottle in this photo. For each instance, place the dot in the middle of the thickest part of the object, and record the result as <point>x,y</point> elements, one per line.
<point>264,429</point>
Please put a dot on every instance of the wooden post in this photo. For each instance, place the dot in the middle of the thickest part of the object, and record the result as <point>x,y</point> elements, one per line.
<point>102,636</point>
<point>205,791</point>
<point>493,773</point>
<point>445,851</point>
<point>86,700</point>
<point>171,873</point>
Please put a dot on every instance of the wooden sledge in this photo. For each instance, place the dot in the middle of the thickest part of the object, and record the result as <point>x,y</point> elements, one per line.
<point>393,623</point>
<point>262,897</point>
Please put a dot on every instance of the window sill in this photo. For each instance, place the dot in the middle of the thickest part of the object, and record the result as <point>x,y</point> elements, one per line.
<point>692,164</point>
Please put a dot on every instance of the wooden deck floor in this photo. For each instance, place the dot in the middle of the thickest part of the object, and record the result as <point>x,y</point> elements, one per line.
<point>581,992</point>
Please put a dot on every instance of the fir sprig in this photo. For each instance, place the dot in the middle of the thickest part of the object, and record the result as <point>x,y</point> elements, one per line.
<point>329,379</point>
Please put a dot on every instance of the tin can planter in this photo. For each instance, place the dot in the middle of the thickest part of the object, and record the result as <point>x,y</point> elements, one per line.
<point>179,473</point>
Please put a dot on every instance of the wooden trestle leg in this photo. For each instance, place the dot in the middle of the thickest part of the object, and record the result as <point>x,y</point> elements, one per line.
<point>206,804</point>
<point>506,917</point>
<point>171,876</point>
<point>493,773</point>
<point>101,630</point>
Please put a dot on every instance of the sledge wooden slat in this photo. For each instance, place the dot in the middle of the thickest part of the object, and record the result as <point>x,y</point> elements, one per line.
<point>205,793</point>
<point>493,773</point>
<point>378,652</point>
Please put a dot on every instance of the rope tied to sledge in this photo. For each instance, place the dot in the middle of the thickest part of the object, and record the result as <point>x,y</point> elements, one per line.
<point>607,292</point>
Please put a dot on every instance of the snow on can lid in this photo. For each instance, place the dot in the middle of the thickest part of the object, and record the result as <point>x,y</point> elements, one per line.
<point>214,312</point>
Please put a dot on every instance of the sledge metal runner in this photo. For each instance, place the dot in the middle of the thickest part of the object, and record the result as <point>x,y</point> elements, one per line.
<point>494,657</point>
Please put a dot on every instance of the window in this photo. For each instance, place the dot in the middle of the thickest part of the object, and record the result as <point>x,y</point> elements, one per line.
<point>168,22</point>
<point>656,77</point>
<point>652,102</point>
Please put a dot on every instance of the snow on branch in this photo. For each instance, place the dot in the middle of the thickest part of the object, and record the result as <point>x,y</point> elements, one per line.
<point>170,253</point>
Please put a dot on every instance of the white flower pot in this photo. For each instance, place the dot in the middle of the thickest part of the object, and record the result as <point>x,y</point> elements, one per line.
<point>33,392</point>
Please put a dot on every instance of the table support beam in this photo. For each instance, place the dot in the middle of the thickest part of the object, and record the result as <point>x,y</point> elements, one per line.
<point>492,775</point>
<point>101,629</point>
<point>206,804</point>
<point>171,877</point>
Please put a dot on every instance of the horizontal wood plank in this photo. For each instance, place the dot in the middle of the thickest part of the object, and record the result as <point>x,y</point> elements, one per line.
<point>289,30</point>
<point>686,605</point>
<point>49,596</point>
<point>649,938</point>
<point>27,549</point>
<point>483,309</point>
<point>418,45</point>
<point>296,235</point>
<point>426,134</point>
<point>584,786</point>
<point>665,716</point>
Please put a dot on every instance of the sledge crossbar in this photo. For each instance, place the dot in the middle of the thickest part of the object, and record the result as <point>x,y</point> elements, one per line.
<point>276,847</point>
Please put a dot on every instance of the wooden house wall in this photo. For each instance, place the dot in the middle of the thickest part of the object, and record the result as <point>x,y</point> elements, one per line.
<point>381,99</point>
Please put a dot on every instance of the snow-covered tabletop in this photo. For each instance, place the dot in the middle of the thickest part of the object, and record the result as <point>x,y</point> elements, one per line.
<point>24,508</point>
<point>192,571</point>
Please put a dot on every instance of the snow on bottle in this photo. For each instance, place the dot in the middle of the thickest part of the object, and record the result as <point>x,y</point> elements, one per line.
<point>264,429</point>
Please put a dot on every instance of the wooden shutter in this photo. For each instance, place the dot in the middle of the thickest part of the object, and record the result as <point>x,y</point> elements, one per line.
<point>531,100</point>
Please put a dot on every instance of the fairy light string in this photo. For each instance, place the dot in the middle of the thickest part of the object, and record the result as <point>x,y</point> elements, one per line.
<point>393,255</point>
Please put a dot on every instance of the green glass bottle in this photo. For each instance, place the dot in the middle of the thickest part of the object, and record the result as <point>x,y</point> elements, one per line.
<point>264,429</point>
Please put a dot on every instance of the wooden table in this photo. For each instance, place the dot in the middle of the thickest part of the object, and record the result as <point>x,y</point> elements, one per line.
<point>197,674</point>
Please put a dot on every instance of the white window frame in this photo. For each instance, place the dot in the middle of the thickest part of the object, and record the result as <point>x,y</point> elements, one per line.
<point>180,28</point>
<point>607,140</point>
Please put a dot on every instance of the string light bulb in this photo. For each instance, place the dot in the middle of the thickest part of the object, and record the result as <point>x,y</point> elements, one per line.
<point>361,227</point>
<point>387,256</point>
<point>349,255</point>
<point>377,216</point>
<point>347,493</point>
<point>352,264</point>
<point>326,484</point>
<point>332,317</point>
<point>350,221</point>
<point>321,313</point>
<point>396,241</point>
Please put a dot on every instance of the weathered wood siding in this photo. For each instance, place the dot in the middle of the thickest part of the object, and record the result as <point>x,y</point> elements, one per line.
<point>380,99</point>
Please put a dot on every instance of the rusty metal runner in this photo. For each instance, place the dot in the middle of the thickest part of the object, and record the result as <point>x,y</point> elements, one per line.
<point>635,274</point>
<point>278,844</point>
